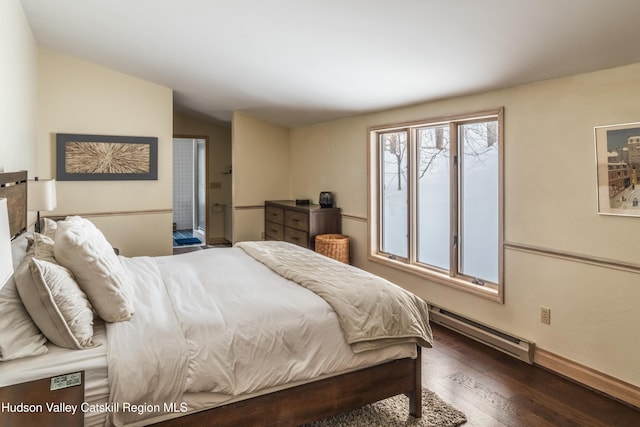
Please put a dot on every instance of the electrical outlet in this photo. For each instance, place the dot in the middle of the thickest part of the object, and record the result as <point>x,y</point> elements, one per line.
<point>545,315</point>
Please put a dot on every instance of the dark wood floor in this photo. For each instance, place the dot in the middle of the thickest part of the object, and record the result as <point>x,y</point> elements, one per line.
<point>494,389</point>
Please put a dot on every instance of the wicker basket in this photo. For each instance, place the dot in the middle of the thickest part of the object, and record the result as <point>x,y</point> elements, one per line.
<point>334,246</point>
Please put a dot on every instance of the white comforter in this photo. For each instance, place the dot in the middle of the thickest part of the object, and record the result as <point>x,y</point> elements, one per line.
<point>218,321</point>
<point>373,312</point>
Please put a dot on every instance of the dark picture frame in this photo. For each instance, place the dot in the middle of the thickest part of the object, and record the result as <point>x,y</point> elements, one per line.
<point>618,169</point>
<point>106,157</point>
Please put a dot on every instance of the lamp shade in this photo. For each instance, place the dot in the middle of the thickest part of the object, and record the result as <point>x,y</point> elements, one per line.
<point>6,262</point>
<point>41,195</point>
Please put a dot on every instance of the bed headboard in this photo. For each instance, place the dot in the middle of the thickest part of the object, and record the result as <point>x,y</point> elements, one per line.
<point>13,187</point>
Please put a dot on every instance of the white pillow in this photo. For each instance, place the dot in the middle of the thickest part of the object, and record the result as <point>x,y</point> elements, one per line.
<point>49,227</point>
<point>19,247</point>
<point>56,304</point>
<point>19,336</point>
<point>84,250</point>
<point>43,247</point>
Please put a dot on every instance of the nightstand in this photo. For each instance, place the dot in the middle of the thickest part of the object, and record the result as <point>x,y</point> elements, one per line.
<point>53,401</point>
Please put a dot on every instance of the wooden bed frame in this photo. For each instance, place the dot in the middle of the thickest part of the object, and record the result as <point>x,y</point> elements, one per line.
<point>316,400</point>
<point>13,187</point>
<point>289,407</point>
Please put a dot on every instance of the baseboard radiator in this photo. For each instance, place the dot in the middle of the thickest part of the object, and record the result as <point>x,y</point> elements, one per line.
<point>499,340</point>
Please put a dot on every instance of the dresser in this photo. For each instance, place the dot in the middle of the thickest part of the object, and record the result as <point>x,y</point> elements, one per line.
<point>299,224</point>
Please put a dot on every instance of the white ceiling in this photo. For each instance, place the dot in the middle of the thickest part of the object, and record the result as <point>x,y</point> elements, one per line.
<point>296,62</point>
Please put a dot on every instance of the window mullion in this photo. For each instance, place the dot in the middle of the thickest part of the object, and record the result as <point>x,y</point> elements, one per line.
<point>379,192</point>
<point>454,200</point>
<point>413,185</point>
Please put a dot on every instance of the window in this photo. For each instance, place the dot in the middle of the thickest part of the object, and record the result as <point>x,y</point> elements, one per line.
<point>436,200</point>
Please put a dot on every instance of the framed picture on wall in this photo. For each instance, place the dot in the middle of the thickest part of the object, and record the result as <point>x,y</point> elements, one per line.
<point>105,158</point>
<point>618,169</point>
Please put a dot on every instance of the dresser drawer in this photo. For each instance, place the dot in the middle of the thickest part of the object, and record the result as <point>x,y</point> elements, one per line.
<point>273,231</point>
<point>297,220</point>
<point>298,237</point>
<point>274,214</point>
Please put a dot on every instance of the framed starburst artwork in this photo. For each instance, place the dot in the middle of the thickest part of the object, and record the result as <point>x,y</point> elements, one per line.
<point>103,158</point>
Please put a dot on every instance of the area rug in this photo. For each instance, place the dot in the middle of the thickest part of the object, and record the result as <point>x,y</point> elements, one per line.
<point>394,412</point>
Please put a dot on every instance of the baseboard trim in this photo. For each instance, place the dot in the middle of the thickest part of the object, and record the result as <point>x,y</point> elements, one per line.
<point>613,387</point>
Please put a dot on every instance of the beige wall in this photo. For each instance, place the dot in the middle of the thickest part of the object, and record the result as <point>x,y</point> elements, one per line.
<point>219,159</point>
<point>261,172</point>
<point>550,202</point>
<point>19,89</point>
<point>76,96</point>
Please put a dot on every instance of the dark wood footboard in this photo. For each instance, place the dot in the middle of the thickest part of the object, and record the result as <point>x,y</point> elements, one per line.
<point>319,399</point>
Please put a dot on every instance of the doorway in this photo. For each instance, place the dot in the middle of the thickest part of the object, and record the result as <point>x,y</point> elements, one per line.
<point>189,191</point>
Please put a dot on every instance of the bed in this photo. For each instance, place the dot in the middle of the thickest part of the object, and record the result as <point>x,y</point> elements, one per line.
<point>264,333</point>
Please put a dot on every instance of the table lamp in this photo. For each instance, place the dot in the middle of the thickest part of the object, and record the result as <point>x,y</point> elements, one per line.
<point>41,196</point>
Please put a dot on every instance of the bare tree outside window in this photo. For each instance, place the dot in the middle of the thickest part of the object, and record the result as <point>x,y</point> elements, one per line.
<point>394,208</point>
<point>395,146</point>
<point>433,194</point>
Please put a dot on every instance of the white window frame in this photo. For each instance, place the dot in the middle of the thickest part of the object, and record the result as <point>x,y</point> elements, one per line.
<point>450,277</point>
